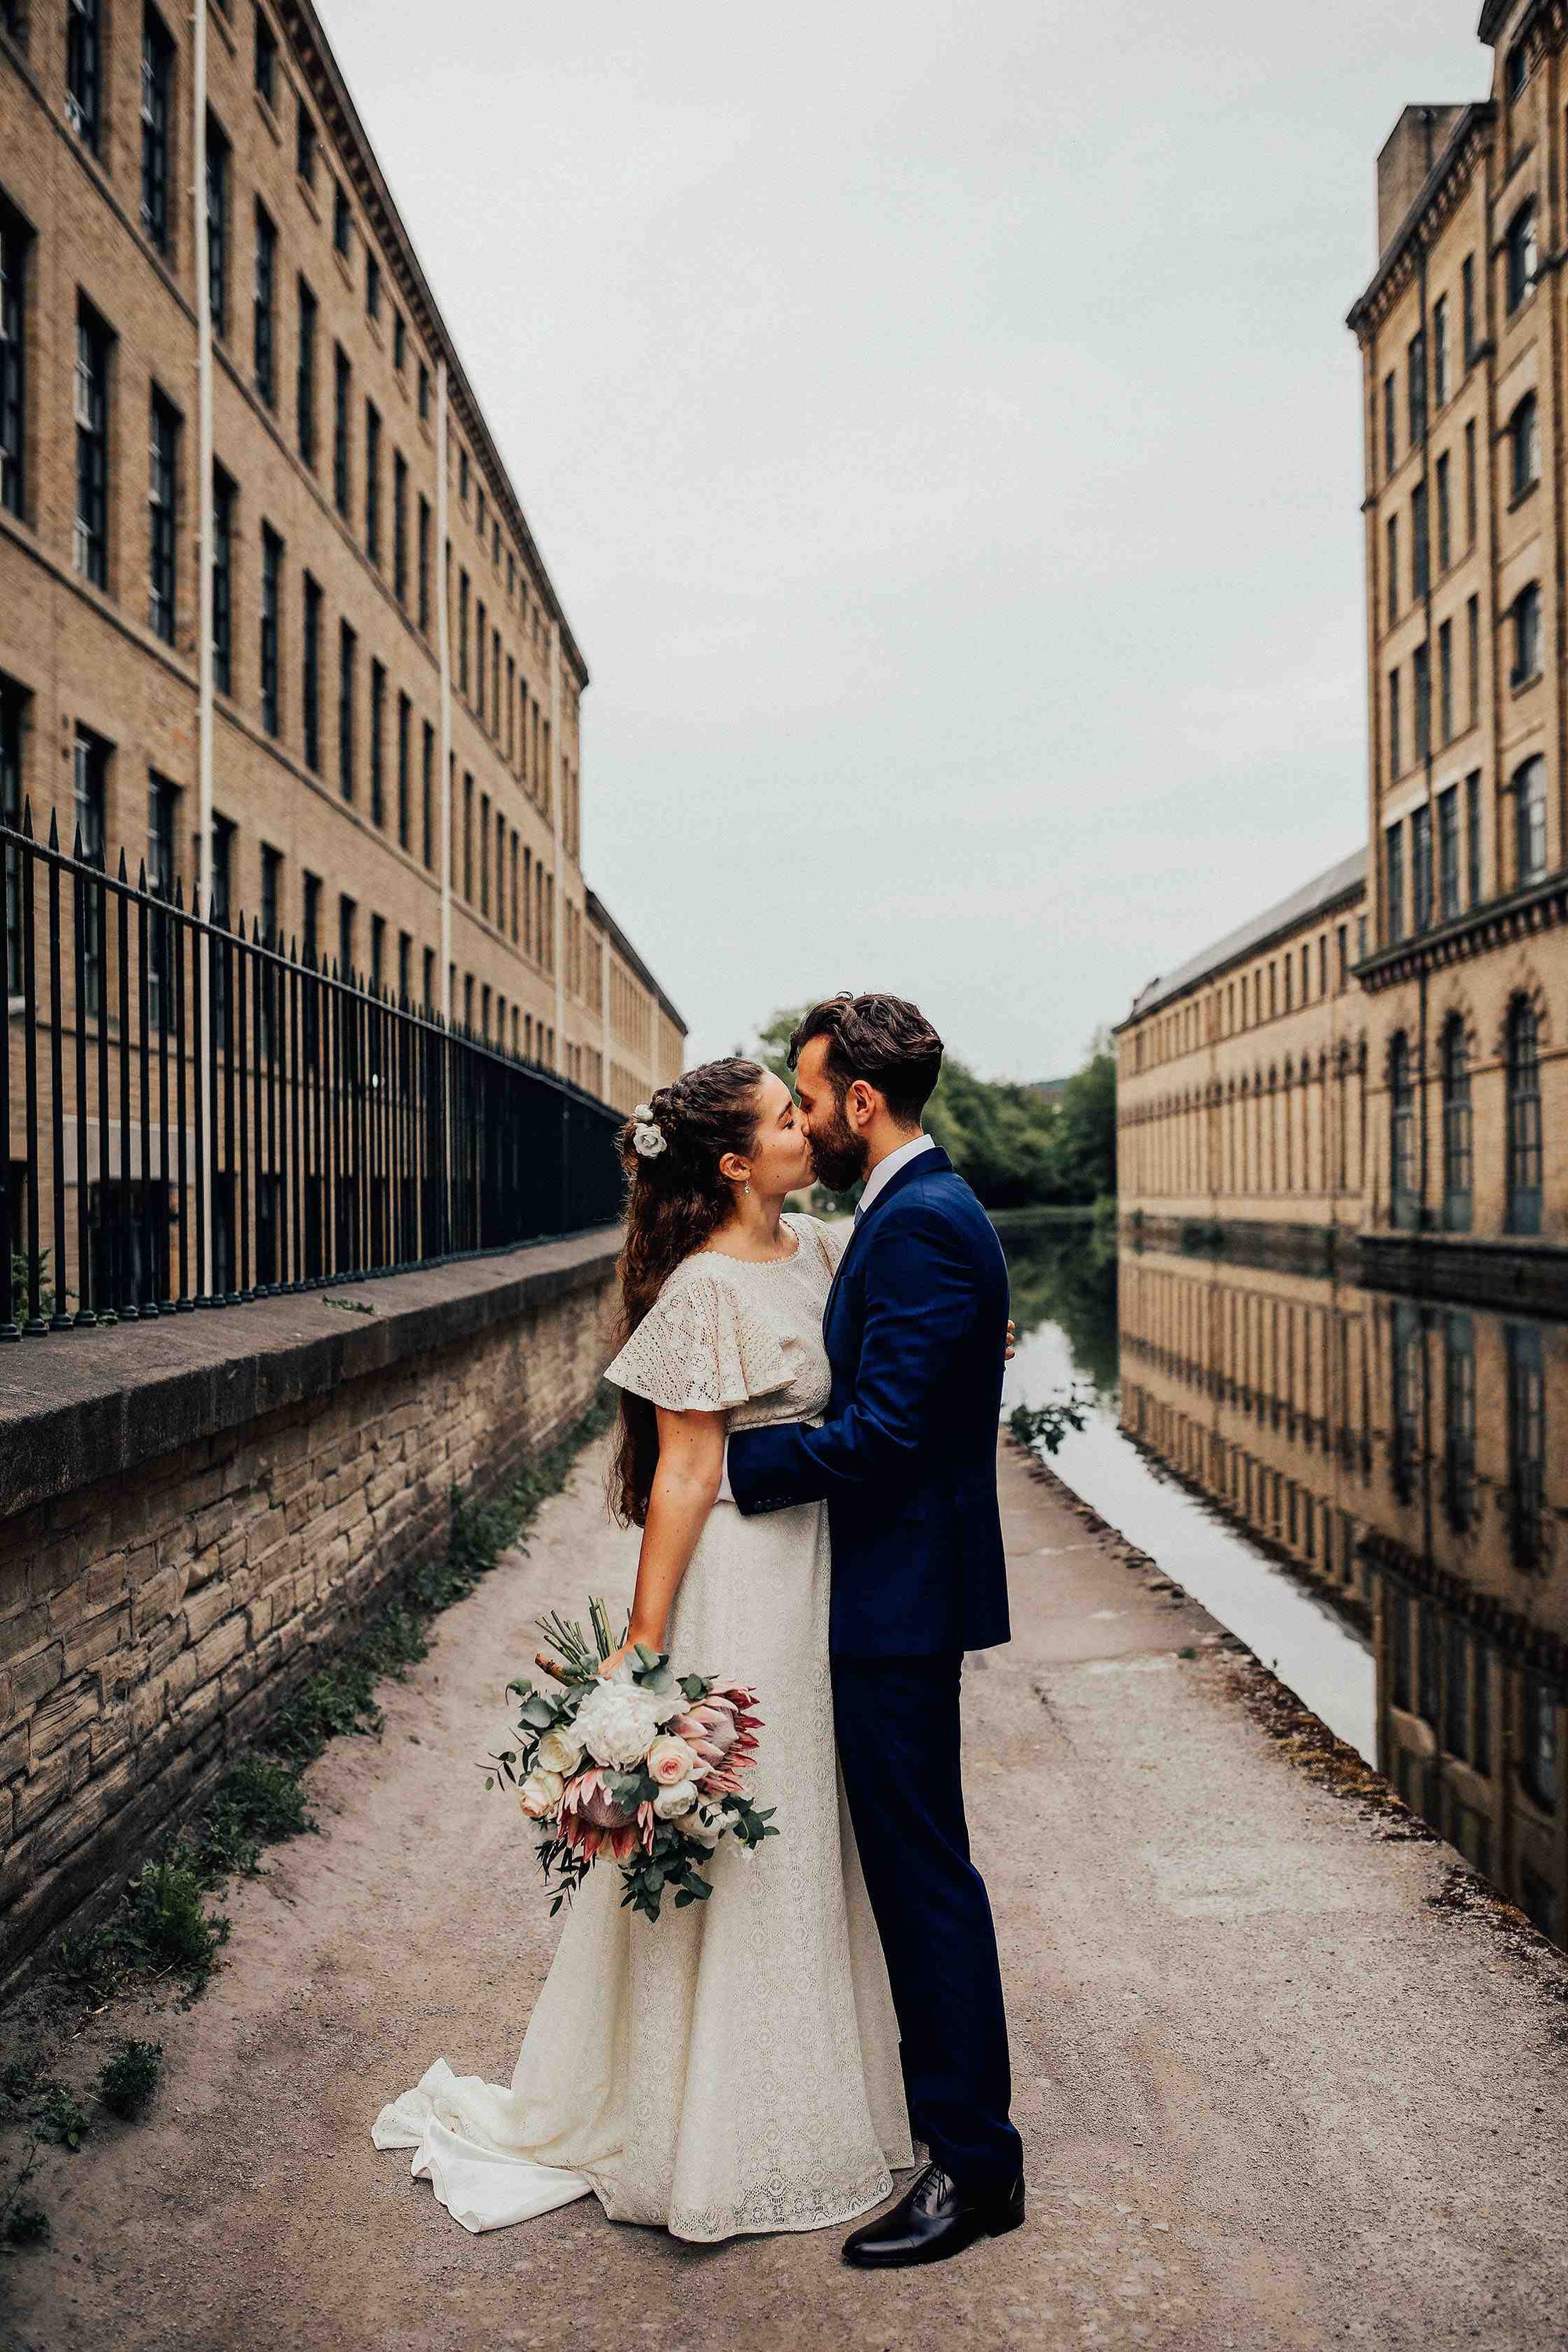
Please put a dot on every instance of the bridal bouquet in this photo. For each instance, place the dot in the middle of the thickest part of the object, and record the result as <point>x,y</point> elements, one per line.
<point>650,1767</point>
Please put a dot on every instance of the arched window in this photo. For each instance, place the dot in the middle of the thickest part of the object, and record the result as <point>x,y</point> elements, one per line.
<point>1402,1134</point>
<point>1530,821</point>
<point>1523,1066</point>
<point>1457,1132</point>
<point>1520,255</point>
<point>1524,445</point>
<point>1526,635</point>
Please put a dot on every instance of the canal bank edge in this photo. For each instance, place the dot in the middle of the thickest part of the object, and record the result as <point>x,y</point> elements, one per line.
<point>1235,1674</point>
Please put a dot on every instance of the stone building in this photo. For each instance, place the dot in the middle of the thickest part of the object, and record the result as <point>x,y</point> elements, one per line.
<point>380,700</point>
<point>1241,1078</point>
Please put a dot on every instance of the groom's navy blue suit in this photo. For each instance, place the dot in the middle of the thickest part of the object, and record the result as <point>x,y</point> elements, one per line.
<point>915,1330</point>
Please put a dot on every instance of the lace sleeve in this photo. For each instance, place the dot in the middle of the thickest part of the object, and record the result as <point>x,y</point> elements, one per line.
<point>702,1347</point>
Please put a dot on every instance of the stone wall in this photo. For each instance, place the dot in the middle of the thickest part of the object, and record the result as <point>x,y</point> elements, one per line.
<point>191,1508</point>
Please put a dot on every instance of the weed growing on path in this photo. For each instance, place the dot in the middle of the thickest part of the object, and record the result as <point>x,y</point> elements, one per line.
<point>162,1932</point>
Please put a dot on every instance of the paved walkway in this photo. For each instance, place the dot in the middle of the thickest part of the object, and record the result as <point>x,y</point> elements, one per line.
<point>1271,2097</point>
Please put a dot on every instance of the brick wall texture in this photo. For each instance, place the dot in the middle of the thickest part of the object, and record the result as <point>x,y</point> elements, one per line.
<point>150,1622</point>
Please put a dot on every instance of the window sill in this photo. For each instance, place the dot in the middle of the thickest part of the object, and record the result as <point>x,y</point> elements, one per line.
<point>1523,497</point>
<point>308,197</point>
<point>269,118</point>
<point>1517,685</point>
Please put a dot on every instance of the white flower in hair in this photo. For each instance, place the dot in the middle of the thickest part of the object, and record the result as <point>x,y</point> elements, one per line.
<point>642,1113</point>
<point>648,1140</point>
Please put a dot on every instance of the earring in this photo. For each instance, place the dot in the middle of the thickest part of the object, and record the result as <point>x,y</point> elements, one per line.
<point>747,1185</point>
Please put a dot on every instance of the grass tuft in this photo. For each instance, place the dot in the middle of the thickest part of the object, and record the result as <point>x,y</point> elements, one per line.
<point>129,2079</point>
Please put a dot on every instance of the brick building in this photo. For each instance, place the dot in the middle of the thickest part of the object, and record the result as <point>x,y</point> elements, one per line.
<point>1455,1004</point>
<point>382,695</point>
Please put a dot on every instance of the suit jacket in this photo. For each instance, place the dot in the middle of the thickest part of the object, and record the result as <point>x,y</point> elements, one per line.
<point>916,1327</point>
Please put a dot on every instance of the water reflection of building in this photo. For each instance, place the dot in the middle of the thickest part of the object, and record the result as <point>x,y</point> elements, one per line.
<point>1398,1454</point>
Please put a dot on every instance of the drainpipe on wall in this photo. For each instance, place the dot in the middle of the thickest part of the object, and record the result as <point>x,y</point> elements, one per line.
<point>204,594</point>
<point>443,583</point>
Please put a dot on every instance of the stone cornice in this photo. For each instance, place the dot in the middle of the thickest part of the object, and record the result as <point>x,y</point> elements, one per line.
<point>1531,1645</point>
<point>1541,908</point>
<point>312,52</point>
<point>1440,198</point>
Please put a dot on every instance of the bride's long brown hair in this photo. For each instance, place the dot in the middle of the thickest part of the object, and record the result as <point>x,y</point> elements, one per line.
<point>676,1201</point>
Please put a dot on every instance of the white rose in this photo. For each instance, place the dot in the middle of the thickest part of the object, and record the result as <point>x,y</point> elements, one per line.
<point>540,1795</point>
<point>671,1803</point>
<point>671,1760</point>
<point>559,1752</point>
<point>616,1723</point>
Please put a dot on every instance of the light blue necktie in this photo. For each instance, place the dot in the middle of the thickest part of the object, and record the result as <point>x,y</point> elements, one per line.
<point>860,1212</point>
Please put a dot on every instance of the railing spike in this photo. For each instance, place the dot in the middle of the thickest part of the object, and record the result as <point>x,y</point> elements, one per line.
<point>75,840</point>
<point>123,875</point>
<point>54,832</point>
<point>27,817</point>
<point>179,894</point>
<point>142,874</point>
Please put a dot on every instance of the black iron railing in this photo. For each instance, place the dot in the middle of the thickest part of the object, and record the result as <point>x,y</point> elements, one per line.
<point>196,1118</point>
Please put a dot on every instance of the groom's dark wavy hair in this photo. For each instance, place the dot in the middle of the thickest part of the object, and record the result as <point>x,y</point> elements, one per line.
<point>676,1201</point>
<point>885,1040</point>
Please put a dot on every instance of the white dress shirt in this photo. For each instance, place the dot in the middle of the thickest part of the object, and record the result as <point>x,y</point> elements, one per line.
<point>883,1173</point>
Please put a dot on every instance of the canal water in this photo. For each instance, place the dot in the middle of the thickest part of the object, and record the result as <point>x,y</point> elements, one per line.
<point>1359,1488</point>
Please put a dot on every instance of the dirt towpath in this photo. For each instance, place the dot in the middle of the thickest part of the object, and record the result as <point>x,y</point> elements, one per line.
<point>1271,2095</point>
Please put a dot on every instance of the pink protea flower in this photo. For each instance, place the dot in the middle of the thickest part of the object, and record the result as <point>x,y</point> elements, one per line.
<point>588,1812</point>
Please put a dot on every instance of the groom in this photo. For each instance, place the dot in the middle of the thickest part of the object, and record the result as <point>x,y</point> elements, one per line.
<point>915,1330</point>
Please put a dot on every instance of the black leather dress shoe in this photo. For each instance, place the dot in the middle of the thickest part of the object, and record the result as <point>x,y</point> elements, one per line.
<point>930,2221</point>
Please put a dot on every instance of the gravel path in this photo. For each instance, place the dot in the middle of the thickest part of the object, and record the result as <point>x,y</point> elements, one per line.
<point>1271,2095</point>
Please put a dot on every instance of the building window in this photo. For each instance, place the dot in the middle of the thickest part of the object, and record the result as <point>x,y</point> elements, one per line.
<point>1538,1742</point>
<point>377,953</point>
<point>480,658</point>
<point>424,394</point>
<point>1445,513</point>
<point>1473,837</point>
<point>217,226</point>
<point>157,114</point>
<point>305,145</point>
<point>13,376</point>
<point>1440,386</point>
<point>1526,1443</point>
<point>484,853</point>
<point>463,476</point>
<point>1390,406</point>
<point>1524,447</point>
<point>162,477</point>
<point>1523,1071</point>
<point>377,741</point>
<point>1420,542</point>
<point>347,910</point>
<point>1449,893</point>
<point>271,895</point>
<point>1467,306</point>
<point>405,728</point>
<point>92,391</point>
<point>163,804</point>
<point>427,800</point>
<point>1394,871</point>
<point>223,581</point>
<point>342,222</point>
<point>399,342</point>
<point>89,776</point>
<point>1421,868</point>
<point>1409,1369</point>
<point>305,376</point>
<point>372,287</point>
<point>348,645</point>
<point>266,340</point>
<point>84,71</point>
<point>1516,70</point>
<point>266,60</point>
<point>1529,820</point>
<point>12,704</point>
<point>310,676</point>
<point>399,527</point>
<point>1520,256</point>
<point>404,969</point>
<point>1421,697</point>
<point>469,837</point>
<point>463,632</point>
<point>1396,754</point>
<point>1455,1064</point>
<point>311,919</point>
<point>271,630</point>
<point>342,378</point>
<point>1402,1133</point>
<point>373,482</point>
<point>1473,634</point>
<point>1446,681</point>
<point>1459,1419</point>
<point>1416,387</point>
<point>425,565</point>
<point>1526,636</point>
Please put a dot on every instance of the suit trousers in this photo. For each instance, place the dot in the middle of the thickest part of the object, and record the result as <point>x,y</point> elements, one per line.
<point>897,1722</point>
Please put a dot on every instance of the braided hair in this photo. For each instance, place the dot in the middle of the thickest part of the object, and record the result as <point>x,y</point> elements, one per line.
<point>676,1201</point>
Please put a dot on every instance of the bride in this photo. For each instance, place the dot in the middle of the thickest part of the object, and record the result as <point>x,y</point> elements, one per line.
<point>732,2067</point>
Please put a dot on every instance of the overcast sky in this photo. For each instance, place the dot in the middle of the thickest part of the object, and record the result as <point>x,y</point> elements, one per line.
<point>941,427</point>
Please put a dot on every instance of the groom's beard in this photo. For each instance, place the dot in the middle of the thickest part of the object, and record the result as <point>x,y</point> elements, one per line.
<point>839,1154</point>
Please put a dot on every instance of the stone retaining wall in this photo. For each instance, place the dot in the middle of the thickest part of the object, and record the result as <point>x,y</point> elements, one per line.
<point>190,1509</point>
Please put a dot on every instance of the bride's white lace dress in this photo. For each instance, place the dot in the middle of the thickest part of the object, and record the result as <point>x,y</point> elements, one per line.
<point>734,2066</point>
